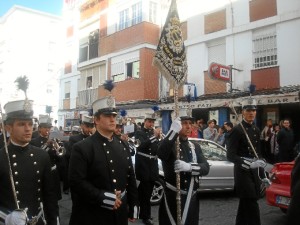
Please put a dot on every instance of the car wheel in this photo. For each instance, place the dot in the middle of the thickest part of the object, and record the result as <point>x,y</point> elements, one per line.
<point>158,192</point>
<point>284,210</point>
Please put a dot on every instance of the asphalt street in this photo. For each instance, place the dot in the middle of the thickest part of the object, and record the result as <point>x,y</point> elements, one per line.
<point>215,209</point>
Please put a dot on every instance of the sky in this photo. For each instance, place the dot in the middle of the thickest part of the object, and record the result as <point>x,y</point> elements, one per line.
<point>49,6</point>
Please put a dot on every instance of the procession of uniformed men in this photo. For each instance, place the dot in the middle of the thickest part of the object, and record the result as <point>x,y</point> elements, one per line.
<point>102,178</point>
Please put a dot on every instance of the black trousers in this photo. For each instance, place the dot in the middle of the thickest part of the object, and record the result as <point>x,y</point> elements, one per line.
<point>145,191</point>
<point>248,212</point>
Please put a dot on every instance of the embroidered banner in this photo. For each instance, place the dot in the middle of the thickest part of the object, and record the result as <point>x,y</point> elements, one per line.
<point>170,56</point>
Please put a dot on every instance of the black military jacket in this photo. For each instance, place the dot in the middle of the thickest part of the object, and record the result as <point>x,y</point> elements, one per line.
<point>167,153</point>
<point>40,142</point>
<point>33,181</point>
<point>76,138</point>
<point>146,164</point>
<point>99,167</point>
<point>239,147</point>
<point>54,159</point>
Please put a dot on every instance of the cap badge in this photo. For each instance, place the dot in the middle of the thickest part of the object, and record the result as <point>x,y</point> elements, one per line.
<point>110,102</point>
<point>27,106</point>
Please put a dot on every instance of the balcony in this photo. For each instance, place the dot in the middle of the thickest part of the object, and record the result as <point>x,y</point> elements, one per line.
<point>87,97</point>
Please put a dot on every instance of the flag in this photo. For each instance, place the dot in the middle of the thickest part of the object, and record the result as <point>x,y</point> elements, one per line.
<point>170,56</point>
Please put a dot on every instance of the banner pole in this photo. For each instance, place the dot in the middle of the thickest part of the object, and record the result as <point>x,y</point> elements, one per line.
<point>178,197</point>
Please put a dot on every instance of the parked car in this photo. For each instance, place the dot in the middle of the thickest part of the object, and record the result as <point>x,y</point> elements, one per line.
<point>278,194</point>
<point>219,178</point>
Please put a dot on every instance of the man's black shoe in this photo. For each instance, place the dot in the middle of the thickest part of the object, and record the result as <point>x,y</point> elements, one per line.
<point>148,222</point>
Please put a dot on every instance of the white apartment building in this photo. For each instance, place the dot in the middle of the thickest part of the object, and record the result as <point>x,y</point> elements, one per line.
<point>259,38</point>
<point>29,45</point>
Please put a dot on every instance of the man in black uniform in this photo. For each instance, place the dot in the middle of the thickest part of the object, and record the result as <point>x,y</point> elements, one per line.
<point>102,178</point>
<point>125,138</point>
<point>146,165</point>
<point>191,165</point>
<point>246,165</point>
<point>86,127</point>
<point>30,167</point>
<point>50,146</point>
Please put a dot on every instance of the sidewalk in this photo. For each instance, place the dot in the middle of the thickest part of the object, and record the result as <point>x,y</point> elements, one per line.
<point>65,208</point>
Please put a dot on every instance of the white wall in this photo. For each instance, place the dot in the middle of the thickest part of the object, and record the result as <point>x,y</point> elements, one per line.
<point>288,50</point>
<point>239,43</point>
<point>239,55</point>
<point>197,64</point>
<point>286,6</point>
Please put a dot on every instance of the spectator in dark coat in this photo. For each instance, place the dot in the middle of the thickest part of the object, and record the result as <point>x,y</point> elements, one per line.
<point>285,139</point>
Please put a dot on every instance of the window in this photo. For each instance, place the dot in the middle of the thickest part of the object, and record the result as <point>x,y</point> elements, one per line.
<point>137,13</point>
<point>67,89</point>
<point>264,50</point>
<point>124,19</point>
<point>133,70</point>
<point>93,44</point>
<point>88,46</point>
<point>83,52</point>
<point>68,67</point>
<point>102,74</point>
<point>78,86</point>
<point>217,52</point>
<point>89,82</point>
<point>118,77</point>
<point>152,12</point>
<point>117,71</point>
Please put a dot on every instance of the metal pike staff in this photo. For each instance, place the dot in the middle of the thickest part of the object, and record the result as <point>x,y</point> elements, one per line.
<point>170,59</point>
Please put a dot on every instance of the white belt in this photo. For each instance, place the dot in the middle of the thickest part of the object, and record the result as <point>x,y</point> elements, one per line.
<point>148,156</point>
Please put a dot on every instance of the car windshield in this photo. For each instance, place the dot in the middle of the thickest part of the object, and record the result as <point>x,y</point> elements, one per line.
<point>212,152</point>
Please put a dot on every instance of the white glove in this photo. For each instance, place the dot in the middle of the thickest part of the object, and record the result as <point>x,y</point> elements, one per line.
<point>16,217</point>
<point>176,125</point>
<point>182,166</point>
<point>258,163</point>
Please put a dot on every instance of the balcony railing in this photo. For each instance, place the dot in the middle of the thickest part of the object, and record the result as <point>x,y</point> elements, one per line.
<point>87,97</point>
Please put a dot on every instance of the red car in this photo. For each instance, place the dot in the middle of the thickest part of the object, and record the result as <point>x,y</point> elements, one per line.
<point>278,194</point>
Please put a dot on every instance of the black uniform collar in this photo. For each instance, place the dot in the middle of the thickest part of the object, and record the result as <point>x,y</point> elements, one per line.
<point>18,147</point>
<point>245,123</point>
<point>104,139</point>
<point>183,140</point>
<point>147,130</point>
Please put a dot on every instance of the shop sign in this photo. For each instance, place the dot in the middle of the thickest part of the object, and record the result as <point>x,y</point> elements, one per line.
<point>273,100</point>
<point>218,71</point>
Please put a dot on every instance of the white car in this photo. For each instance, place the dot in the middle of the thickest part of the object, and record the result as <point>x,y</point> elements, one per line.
<point>219,178</point>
